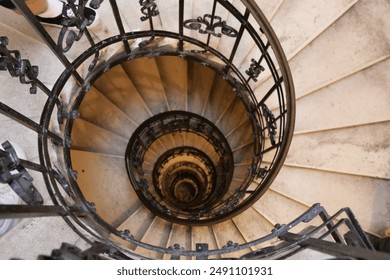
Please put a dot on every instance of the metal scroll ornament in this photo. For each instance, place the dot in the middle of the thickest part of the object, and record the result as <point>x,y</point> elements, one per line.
<point>254,70</point>
<point>16,66</point>
<point>208,25</point>
<point>271,123</point>
<point>149,9</point>
<point>16,176</point>
<point>74,17</point>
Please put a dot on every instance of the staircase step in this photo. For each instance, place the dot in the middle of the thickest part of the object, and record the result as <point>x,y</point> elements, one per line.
<point>119,89</point>
<point>359,150</point>
<point>344,46</point>
<point>269,202</point>
<point>200,83</point>
<point>358,99</point>
<point>138,223</point>
<point>232,116</point>
<point>16,133</point>
<point>252,226</point>
<point>226,232</point>
<point>145,76</point>
<point>173,73</point>
<point>180,235</point>
<point>109,117</point>
<point>241,137</point>
<point>366,196</point>
<point>166,142</point>
<point>11,94</point>
<point>154,151</point>
<point>23,39</point>
<point>169,13</point>
<point>306,20</point>
<point>104,181</point>
<point>89,137</point>
<point>157,235</point>
<point>240,172</point>
<point>21,242</point>
<point>203,234</point>
<point>269,8</point>
<point>219,101</point>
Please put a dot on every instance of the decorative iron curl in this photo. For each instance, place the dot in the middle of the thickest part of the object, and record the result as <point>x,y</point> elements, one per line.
<point>16,176</point>
<point>149,9</point>
<point>73,18</point>
<point>207,25</point>
<point>254,70</point>
<point>271,123</point>
<point>18,67</point>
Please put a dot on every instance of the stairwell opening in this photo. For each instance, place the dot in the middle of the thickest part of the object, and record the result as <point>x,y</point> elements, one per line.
<point>197,153</point>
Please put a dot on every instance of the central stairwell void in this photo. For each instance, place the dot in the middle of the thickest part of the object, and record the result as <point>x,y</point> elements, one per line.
<point>161,133</point>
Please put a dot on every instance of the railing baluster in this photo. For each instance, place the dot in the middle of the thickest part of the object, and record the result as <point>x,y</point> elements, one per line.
<point>239,37</point>
<point>181,24</point>
<point>270,91</point>
<point>211,21</point>
<point>119,22</point>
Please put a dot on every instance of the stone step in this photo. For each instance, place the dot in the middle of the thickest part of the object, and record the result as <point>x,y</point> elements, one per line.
<point>361,98</point>
<point>104,181</point>
<point>203,234</point>
<point>138,223</point>
<point>366,196</point>
<point>227,234</point>
<point>99,110</point>
<point>346,48</point>
<point>145,76</point>
<point>306,20</point>
<point>359,150</point>
<point>157,234</point>
<point>173,73</point>
<point>121,91</point>
<point>179,235</point>
<point>90,137</point>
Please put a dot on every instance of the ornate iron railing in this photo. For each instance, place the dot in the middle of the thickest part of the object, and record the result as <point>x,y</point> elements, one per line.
<point>337,237</point>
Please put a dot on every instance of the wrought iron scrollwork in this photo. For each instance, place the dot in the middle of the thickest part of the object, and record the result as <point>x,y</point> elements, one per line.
<point>74,17</point>
<point>254,70</point>
<point>208,24</point>
<point>13,173</point>
<point>97,251</point>
<point>271,123</point>
<point>149,9</point>
<point>262,172</point>
<point>16,66</point>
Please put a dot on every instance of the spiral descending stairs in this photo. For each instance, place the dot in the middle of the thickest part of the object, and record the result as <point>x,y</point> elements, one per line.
<point>162,137</point>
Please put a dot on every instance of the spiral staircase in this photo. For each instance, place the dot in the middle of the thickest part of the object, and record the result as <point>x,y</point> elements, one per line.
<point>163,133</point>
